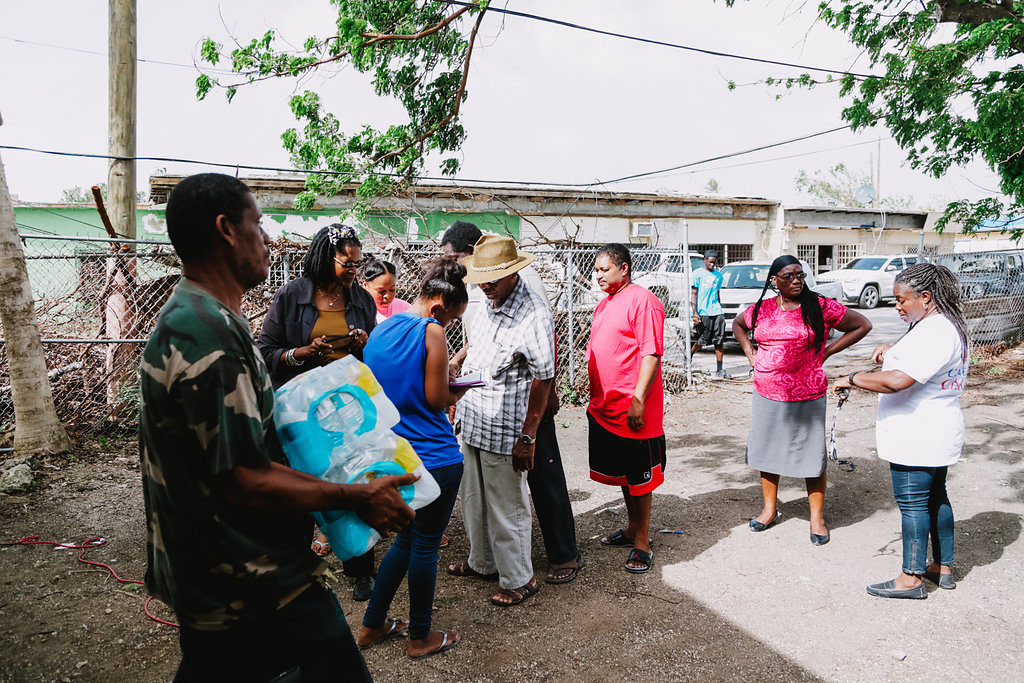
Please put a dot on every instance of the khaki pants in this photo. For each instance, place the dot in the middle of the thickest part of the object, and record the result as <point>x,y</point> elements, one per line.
<point>496,512</point>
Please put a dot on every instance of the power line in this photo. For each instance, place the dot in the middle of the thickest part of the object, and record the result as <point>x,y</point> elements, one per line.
<point>276,169</point>
<point>727,156</point>
<point>661,43</point>
<point>80,50</point>
<point>782,158</point>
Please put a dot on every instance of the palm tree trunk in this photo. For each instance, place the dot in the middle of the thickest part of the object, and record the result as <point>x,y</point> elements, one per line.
<point>36,427</point>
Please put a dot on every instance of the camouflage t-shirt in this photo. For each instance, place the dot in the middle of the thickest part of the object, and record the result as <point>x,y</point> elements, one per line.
<point>207,407</point>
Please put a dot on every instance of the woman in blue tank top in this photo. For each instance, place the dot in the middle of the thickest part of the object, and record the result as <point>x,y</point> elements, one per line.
<point>408,355</point>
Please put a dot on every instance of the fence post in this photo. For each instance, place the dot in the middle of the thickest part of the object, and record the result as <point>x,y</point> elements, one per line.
<point>572,314</point>
<point>285,266</point>
<point>686,304</point>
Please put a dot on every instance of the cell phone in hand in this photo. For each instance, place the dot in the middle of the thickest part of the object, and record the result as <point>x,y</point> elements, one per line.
<point>336,337</point>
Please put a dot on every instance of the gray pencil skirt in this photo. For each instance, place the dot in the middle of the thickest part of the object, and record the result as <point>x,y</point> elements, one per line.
<point>787,437</point>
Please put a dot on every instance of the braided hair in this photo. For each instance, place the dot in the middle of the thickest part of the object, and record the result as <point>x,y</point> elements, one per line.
<point>318,263</point>
<point>810,304</point>
<point>376,267</point>
<point>443,278</point>
<point>945,291</point>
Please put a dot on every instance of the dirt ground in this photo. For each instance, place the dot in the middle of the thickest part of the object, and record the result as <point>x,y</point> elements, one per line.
<point>721,603</point>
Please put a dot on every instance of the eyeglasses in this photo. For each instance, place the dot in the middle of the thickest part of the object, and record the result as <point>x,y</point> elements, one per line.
<point>350,265</point>
<point>789,277</point>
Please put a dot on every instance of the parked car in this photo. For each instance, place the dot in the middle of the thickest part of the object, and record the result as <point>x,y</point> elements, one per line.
<point>868,280</point>
<point>665,276</point>
<point>742,284</point>
<point>987,273</point>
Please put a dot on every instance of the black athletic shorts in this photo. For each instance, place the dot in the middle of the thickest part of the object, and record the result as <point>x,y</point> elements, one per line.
<point>712,330</point>
<point>621,461</point>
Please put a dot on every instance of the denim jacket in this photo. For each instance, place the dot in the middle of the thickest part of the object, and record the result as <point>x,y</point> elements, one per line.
<point>292,316</point>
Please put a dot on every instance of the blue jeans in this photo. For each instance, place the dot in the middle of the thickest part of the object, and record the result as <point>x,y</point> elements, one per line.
<point>921,494</point>
<point>414,551</point>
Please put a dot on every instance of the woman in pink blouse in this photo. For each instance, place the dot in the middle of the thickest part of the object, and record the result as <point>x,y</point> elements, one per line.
<point>379,281</point>
<point>787,424</point>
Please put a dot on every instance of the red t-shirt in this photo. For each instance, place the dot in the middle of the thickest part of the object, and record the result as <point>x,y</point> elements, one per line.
<point>628,325</point>
<point>785,367</point>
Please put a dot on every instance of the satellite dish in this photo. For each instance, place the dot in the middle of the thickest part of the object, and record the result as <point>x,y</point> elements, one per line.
<point>865,194</point>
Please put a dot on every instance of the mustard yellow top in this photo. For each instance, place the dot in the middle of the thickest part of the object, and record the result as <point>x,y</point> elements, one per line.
<point>330,323</point>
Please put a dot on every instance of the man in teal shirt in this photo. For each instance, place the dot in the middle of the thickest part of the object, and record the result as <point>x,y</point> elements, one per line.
<point>707,309</point>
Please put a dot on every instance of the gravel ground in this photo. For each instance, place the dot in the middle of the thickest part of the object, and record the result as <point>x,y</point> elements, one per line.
<point>721,603</point>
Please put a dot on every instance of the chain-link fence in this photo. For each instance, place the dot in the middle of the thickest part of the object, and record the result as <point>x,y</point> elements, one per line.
<point>97,300</point>
<point>992,294</point>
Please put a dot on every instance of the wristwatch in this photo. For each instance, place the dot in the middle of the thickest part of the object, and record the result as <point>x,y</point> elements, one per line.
<point>527,439</point>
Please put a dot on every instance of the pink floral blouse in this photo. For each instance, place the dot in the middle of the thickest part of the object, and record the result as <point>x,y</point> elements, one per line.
<point>786,367</point>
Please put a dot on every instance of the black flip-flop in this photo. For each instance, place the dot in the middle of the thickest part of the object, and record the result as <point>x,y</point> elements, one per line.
<point>566,578</point>
<point>637,555</point>
<point>619,539</point>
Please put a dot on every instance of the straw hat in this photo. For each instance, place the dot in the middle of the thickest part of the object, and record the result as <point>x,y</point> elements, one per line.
<point>493,258</point>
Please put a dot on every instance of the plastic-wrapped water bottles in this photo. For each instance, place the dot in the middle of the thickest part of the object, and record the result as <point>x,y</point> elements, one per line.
<point>335,423</point>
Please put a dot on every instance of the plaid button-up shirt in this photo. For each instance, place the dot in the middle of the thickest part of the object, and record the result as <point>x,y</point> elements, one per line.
<point>513,344</point>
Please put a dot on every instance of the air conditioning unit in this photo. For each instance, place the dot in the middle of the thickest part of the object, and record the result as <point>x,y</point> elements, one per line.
<point>643,229</point>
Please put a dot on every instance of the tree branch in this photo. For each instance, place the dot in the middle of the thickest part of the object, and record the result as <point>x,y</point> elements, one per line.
<point>973,13</point>
<point>458,100</point>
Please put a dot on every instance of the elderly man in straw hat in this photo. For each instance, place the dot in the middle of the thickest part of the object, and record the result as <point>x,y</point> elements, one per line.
<point>514,346</point>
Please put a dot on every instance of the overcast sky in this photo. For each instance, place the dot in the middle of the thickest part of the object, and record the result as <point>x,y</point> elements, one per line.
<point>546,103</point>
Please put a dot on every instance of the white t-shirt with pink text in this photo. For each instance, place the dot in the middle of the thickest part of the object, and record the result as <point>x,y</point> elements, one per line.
<point>922,426</point>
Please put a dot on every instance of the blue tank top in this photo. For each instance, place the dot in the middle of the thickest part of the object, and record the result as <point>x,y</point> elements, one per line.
<point>396,353</point>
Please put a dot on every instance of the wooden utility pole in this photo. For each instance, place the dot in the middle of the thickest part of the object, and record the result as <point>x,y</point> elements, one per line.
<point>119,309</point>
<point>37,431</point>
<point>121,116</point>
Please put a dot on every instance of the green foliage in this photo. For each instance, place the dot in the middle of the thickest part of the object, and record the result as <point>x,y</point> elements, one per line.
<point>839,186</point>
<point>948,84</point>
<point>79,195</point>
<point>417,54</point>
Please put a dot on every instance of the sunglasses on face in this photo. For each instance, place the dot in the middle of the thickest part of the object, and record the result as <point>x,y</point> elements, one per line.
<point>350,265</point>
<point>789,277</point>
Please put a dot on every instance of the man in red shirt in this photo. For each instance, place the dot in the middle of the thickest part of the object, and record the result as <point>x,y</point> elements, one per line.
<point>627,441</point>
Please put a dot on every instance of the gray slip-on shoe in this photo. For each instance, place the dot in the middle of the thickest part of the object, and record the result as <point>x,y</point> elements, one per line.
<point>944,581</point>
<point>887,589</point>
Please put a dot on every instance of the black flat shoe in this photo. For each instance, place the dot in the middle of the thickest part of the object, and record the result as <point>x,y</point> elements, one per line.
<point>887,589</point>
<point>758,526</point>
<point>818,539</point>
<point>944,581</point>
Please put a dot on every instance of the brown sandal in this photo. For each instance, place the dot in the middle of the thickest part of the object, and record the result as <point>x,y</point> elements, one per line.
<point>517,595</point>
<point>462,568</point>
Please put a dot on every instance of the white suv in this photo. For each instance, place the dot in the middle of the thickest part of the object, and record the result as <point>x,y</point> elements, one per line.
<point>868,280</point>
<point>665,276</point>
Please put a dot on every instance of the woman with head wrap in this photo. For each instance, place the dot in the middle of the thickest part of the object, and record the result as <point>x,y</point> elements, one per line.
<point>787,424</point>
<point>318,317</point>
<point>920,428</point>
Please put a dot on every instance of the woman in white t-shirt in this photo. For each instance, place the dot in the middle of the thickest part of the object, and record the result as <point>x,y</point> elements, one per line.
<point>920,428</point>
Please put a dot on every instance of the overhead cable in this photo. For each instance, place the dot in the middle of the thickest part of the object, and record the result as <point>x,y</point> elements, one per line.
<point>661,43</point>
<point>432,178</point>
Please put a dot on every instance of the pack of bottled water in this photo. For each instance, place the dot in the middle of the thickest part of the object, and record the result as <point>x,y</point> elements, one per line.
<point>334,422</point>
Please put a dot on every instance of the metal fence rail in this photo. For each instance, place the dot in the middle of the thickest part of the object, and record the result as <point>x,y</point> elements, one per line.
<point>97,299</point>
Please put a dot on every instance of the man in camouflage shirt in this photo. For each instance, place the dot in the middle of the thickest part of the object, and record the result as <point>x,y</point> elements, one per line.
<point>228,529</point>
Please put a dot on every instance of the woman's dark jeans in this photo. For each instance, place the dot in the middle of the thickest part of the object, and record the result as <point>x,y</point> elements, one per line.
<point>414,551</point>
<point>921,494</point>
